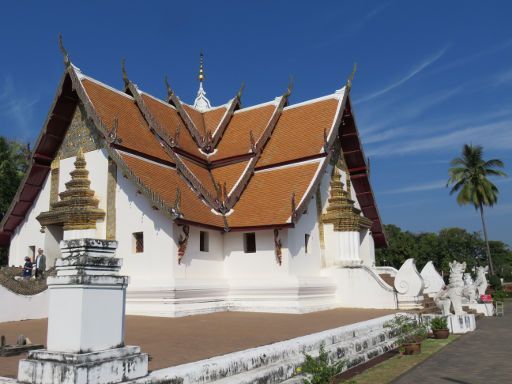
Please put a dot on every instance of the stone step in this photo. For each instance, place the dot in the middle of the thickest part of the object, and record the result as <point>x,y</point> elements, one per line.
<point>388,279</point>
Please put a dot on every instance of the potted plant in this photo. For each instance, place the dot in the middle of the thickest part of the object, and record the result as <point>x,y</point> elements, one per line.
<point>439,327</point>
<point>410,333</point>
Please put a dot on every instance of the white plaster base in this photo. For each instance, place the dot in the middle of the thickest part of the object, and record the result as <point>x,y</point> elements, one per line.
<point>486,309</point>
<point>457,324</point>
<point>104,367</point>
<point>185,298</point>
<point>361,287</point>
<point>461,323</point>
<point>273,363</point>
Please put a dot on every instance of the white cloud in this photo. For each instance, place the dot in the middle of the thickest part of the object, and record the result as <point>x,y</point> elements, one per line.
<point>16,110</point>
<point>481,53</point>
<point>497,135</point>
<point>437,184</point>
<point>416,70</point>
<point>503,78</point>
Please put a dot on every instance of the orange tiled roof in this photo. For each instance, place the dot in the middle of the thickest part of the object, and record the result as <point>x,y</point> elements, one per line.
<point>213,117</point>
<point>299,133</point>
<point>164,180</point>
<point>132,129</point>
<point>260,185</point>
<point>170,120</point>
<point>235,140</point>
<point>229,174</point>
<point>267,200</point>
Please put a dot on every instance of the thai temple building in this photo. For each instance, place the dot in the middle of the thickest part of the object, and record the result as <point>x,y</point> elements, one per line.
<point>266,207</point>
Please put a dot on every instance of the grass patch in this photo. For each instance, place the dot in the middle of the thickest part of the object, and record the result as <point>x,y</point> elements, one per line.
<point>390,369</point>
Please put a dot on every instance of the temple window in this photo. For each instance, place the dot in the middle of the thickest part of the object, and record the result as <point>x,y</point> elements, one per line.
<point>138,242</point>
<point>204,244</point>
<point>306,242</point>
<point>250,242</point>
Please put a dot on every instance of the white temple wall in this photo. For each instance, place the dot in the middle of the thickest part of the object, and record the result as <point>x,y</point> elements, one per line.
<point>197,264</point>
<point>134,213</point>
<point>28,233</point>
<point>304,263</point>
<point>262,264</point>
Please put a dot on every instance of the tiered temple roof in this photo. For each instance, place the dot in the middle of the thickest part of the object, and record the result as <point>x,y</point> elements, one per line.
<point>227,167</point>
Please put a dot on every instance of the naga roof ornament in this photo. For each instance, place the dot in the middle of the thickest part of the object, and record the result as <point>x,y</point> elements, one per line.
<point>201,103</point>
<point>65,54</point>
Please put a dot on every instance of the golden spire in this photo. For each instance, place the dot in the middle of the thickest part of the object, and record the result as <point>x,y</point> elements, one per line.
<point>77,207</point>
<point>201,67</point>
<point>202,104</point>
<point>341,211</point>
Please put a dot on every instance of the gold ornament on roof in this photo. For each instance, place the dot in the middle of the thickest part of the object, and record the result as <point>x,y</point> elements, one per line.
<point>341,211</point>
<point>77,207</point>
<point>201,67</point>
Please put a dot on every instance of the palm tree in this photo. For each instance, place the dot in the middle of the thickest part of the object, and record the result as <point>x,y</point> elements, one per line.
<point>468,176</point>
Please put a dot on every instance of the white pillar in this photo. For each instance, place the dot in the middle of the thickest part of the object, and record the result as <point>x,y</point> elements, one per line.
<point>348,243</point>
<point>85,343</point>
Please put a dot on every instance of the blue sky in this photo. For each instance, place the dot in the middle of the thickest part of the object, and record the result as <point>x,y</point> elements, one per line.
<point>431,76</point>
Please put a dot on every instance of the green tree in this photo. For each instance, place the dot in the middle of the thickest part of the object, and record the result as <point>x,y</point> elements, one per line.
<point>13,165</point>
<point>502,259</point>
<point>401,246</point>
<point>469,177</point>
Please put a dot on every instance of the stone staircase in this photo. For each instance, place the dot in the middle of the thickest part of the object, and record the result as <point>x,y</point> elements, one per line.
<point>429,306</point>
<point>388,279</point>
<point>472,311</point>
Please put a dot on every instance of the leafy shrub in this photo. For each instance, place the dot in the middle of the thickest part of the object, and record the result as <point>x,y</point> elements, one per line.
<point>409,329</point>
<point>495,282</point>
<point>319,370</point>
<point>499,295</point>
<point>439,323</point>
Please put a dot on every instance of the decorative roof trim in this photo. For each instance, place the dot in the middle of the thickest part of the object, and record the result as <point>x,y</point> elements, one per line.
<point>157,99</point>
<point>91,113</point>
<point>223,123</point>
<point>257,106</point>
<point>362,172</point>
<point>335,95</point>
<point>82,76</point>
<point>168,147</point>
<point>196,135</point>
<point>298,163</point>
<point>302,206</point>
<point>34,162</point>
<point>235,194</point>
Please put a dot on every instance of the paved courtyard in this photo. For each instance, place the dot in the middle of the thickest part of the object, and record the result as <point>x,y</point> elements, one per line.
<point>174,341</point>
<point>483,356</point>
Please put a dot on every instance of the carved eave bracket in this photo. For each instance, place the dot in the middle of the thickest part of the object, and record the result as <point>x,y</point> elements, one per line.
<point>77,207</point>
<point>278,247</point>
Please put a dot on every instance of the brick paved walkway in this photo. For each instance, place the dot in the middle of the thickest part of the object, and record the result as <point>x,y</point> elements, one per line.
<point>174,341</point>
<point>483,356</point>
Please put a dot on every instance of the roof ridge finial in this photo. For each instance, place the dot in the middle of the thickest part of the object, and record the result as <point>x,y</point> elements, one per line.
<point>201,103</point>
<point>201,67</point>
<point>351,77</point>
<point>291,83</point>
<point>67,62</point>
<point>125,74</point>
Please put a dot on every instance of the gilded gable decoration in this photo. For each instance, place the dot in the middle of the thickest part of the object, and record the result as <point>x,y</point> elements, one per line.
<point>77,208</point>
<point>81,134</point>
